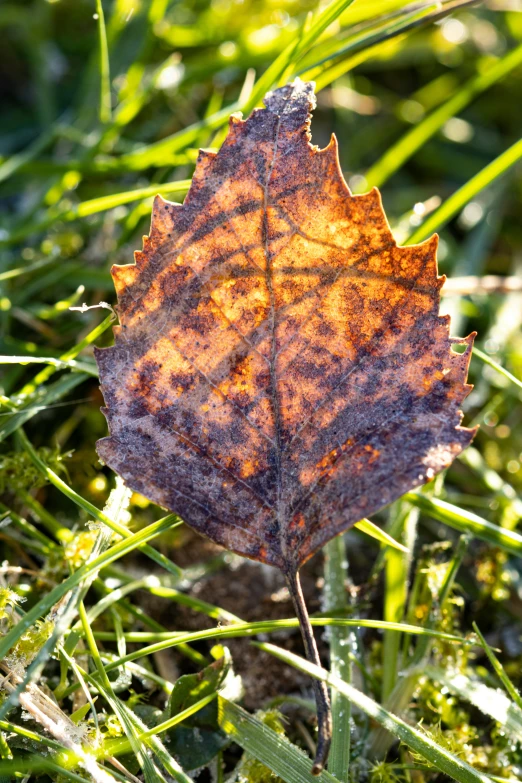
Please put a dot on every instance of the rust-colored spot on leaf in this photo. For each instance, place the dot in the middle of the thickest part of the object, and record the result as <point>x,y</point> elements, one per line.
<point>281,369</point>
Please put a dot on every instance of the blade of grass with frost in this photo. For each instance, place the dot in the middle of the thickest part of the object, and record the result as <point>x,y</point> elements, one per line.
<point>176,639</point>
<point>498,367</point>
<point>438,756</point>
<point>146,675</point>
<point>340,641</point>
<point>141,735</point>
<point>62,619</point>
<point>489,701</point>
<point>60,364</point>
<point>414,139</point>
<point>403,524</point>
<point>95,512</point>
<point>164,639</point>
<point>466,193</point>
<point>63,615</point>
<point>68,662</point>
<point>168,640</point>
<point>274,751</point>
<point>467,522</point>
<point>499,670</point>
<point>150,772</point>
<point>31,735</point>
<point>104,687</point>
<point>121,644</point>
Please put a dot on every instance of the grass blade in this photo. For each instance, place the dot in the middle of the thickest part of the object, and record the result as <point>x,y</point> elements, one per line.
<point>274,751</point>
<point>375,41</point>
<point>397,569</point>
<point>167,640</point>
<point>15,417</point>
<point>30,764</point>
<point>109,556</point>
<point>116,747</point>
<point>467,522</point>
<point>492,363</point>
<point>95,512</point>
<point>105,111</point>
<point>374,531</point>
<point>438,756</point>
<point>341,642</point>
<point>412,141</point>
<point>104,203</point>
<point>60,364</point>
<point>499,670</point>
<point>71,353</point>
<point>467,192</point>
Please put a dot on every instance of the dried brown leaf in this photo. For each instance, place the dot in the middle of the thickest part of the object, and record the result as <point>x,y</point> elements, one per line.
<point>281,369</point>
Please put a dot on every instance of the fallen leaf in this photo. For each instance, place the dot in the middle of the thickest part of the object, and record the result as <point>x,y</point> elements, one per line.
<point>281,370</point>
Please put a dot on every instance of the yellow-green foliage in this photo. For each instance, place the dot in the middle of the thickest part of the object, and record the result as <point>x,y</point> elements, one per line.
<point>17,471</point>
<point>465,742</point>
<point>26,649</point>
<point>384,772</point>
<point>77,551</point>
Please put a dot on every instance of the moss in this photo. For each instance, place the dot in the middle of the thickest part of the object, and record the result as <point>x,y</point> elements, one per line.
<point>250,769</point>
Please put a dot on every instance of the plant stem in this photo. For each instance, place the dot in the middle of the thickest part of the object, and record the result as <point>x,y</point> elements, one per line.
<point>322,700</point>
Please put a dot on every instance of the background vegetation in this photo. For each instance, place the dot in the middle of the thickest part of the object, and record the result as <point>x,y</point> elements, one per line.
<point>105,104</point>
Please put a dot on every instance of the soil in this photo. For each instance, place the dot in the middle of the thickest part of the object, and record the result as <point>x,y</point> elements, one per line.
<point>253,592</point>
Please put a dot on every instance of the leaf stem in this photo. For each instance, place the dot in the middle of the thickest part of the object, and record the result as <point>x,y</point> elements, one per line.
<point>322,700</point>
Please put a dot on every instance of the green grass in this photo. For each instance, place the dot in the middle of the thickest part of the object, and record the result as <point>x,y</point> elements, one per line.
<point>105,104</point>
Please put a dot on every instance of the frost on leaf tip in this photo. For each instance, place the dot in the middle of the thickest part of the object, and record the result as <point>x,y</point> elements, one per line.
<point>280,370</point>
